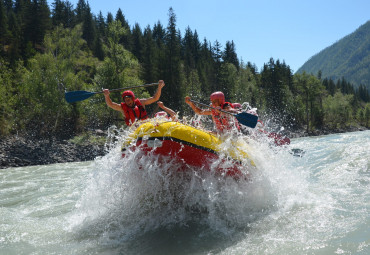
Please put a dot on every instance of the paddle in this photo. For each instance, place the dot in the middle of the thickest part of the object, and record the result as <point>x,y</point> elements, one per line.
<point>75,96</point>
<point>244,118</point>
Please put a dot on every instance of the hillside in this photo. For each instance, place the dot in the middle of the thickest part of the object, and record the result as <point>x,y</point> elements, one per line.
<point>348,58</point>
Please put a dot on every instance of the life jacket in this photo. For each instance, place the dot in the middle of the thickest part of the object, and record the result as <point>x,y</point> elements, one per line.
<point>223,122</point>
<point>136,113</point>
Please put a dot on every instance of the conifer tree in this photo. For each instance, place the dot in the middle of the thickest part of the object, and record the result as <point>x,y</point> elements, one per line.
<point>137,42</point>
<point>62,13</point>
<point>150,69</point>
<point>3,27</point>
<point>206,68</point>
<point>43,21</point>
<point>172,62</point>
<point>196,47</point>
<point>101,25</point>
<point>69,15</point>
<point>58,12</point>
<point>80,11</point>
<point>229,55</point>
<point>126,39</point>
<point>121,18</point>
<point>217,58</point>
<point>109,18</point>
<point>14,49</point>
<point>89,28</point>
<point>8,5</point>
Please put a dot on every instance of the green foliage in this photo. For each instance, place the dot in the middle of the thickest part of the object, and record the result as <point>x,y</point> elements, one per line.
<point>338,110</point>
<point>64,65</point>
<point>119,69</point>
<point>310,92</point>
<point>84,52</point>
<point>88,138</point>
<point>228,78</point>
<point>7,99</point>
<point>348,58</point>
<point>245,89</point>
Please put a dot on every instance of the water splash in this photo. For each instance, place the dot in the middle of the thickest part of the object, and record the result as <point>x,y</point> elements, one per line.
<point>128,197</point>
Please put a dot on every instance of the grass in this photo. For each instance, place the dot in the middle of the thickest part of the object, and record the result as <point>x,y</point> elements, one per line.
<point>87,138</point>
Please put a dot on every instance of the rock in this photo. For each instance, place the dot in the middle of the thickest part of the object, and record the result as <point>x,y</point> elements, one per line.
<point>21,151</point>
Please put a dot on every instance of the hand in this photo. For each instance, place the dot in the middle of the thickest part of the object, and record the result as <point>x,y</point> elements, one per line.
<point>217,108</point>
<point>160,104</point>
<point>161,84</point>
<point>187,100</point>
<point>106,92</point>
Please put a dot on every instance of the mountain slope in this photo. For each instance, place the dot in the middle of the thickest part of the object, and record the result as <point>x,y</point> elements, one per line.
<point>348,58</point>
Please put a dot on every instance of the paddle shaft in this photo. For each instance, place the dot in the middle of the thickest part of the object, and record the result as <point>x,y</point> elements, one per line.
<point>140,86</point>
<point>75,96</point>
<point>212,107</point>
<point>244,118</point>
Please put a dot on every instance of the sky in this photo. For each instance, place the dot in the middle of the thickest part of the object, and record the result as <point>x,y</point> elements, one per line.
<point>288,30</point>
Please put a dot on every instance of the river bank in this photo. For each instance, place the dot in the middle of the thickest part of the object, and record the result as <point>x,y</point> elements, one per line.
<point>18,151</point>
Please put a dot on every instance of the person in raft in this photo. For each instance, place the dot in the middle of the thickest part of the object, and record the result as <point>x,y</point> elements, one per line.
<point>223,122</point>
<point>166,111</point>
<point>133,108</point>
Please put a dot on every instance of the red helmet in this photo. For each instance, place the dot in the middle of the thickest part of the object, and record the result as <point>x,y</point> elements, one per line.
<point>128,93</point>
<point>218,95</point>
<point>237,105</point>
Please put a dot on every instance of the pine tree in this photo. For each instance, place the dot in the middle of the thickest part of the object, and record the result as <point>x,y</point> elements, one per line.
<point>126,39</point>
<point>58,12</point>
<point>159,34</point>
<point>69,15</point>
<point>88,28</point>
<point>14,50</point>
<point>80,11</point>
<point>101,25</point>
<point>229,55</point>
<point>8,5</point>
<point>187,54</point>
<point>206,68</point>
<point>150,68</point>
<point>137,42</point>
<point>196,47</point>
<point>3,28</point>
<point>121,17</point>
<point>109,18</point>
<point>172,63</point>
<point>43,21</point>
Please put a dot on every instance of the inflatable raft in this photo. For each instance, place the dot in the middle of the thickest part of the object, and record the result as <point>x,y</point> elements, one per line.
<point>191,147</point>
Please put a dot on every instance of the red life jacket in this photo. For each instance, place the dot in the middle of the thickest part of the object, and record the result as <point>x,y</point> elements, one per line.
<point>136,113</point>
<point>223,122</point>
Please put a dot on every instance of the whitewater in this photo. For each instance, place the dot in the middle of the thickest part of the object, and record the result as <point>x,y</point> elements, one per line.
<point>315,204</point>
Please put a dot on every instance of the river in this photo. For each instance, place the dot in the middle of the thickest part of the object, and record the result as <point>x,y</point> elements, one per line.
<point>315,204</point>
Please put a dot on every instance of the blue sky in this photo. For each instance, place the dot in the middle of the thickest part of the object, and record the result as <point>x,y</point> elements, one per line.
<point>289,30</point>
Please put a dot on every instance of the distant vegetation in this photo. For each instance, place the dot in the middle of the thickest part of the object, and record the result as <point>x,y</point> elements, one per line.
<point>46,51</point>
<point>349,58</point>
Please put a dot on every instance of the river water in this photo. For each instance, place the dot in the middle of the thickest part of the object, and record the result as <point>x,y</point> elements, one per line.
<point>315,204</point>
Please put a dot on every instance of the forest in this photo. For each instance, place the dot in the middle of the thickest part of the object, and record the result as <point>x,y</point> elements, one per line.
<point>48,50</point>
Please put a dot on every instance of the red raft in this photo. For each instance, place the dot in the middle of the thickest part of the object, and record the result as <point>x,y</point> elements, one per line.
<point>191,147</point>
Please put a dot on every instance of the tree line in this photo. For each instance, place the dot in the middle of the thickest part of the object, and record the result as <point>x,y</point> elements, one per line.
<point>47,51</point>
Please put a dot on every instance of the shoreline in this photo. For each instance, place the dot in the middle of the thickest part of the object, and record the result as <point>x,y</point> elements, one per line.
<point>19,151</point>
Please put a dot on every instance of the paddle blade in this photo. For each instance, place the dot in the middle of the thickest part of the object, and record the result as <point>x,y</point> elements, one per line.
<point>247,119</point>
<point>75,96</point>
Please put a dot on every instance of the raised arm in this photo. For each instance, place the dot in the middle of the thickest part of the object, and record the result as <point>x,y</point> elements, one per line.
<point>156,96</point>
<point>110,103</point>
<point>166,109</point>
<point>196,109</point>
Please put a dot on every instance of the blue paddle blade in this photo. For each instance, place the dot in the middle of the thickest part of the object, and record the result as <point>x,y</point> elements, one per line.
<point>75,96</point>
<point>247,119</point>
